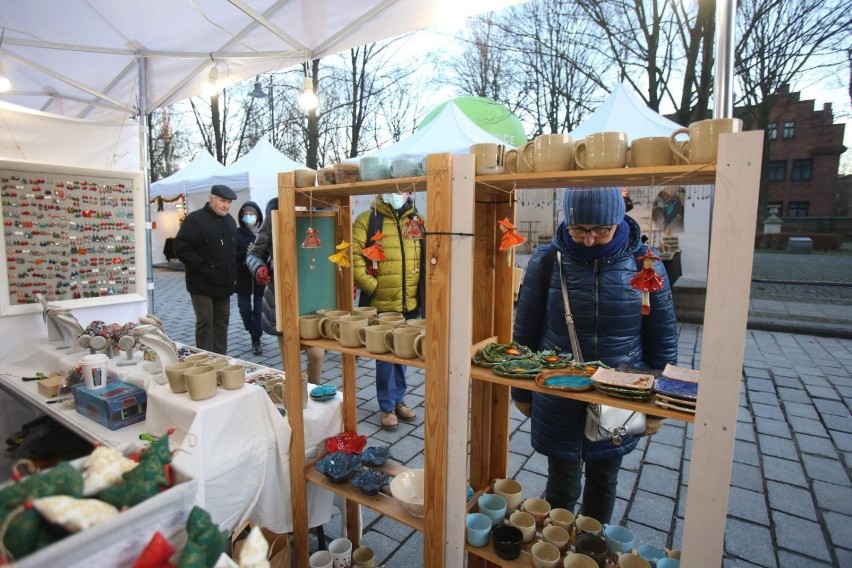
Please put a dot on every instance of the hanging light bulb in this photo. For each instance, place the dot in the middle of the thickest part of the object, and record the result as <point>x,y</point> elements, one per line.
<point>5,83</point>
<point>308,99</point>
<point>212,85</point>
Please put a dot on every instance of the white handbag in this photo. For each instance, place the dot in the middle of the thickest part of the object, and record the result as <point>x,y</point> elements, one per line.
<point>602,422</point>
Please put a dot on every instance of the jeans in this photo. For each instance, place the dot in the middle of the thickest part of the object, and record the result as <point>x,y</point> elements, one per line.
<point>601,480</point>
<point>211,322</point>
<point>251,313</point>
<point>390,385</point>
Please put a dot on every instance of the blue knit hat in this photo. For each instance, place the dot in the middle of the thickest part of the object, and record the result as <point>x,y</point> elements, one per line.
<point>593,206</point>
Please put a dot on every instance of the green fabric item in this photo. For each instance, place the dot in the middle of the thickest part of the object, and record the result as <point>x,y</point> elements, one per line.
<point>203,532</point>
<point>193,556</point>
<point>160,450</point>
<point>143,481</point>
<point>23,533</point>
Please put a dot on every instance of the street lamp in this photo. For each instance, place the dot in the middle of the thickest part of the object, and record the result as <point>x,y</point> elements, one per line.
<point>308,99</point>
<point>259,93</point>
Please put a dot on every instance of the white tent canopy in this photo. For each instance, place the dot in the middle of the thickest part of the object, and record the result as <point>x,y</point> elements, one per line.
<point>623,112</point>
<point>202,167</point>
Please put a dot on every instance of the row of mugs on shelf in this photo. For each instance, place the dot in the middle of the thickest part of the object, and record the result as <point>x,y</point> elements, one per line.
<point>369,168</point>
<point>604,150</point>
<point>201,374</point>
<point>379,333</point>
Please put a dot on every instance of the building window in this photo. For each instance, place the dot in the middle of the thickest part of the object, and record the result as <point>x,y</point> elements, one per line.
<point>777,170</point>
<point>789,129</point>
<point>802,169</point>
<point>797,209</point>
<point>772,131</point>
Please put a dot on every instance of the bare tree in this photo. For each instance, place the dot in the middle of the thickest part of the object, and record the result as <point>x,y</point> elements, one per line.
<point>485,66</point>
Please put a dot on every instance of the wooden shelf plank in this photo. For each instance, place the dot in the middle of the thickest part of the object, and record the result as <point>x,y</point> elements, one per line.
<point>647,407</point>
<point>331,345</point>
<point>381,503</point>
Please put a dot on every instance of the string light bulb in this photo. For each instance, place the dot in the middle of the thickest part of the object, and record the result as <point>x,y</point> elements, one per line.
<point>212,85</point>
<point>308,99</point>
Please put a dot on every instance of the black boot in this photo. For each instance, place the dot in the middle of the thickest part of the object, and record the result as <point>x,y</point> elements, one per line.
<point>256,346</point>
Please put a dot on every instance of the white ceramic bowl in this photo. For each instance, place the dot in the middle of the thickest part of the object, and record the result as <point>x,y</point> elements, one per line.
<point>407,490</point>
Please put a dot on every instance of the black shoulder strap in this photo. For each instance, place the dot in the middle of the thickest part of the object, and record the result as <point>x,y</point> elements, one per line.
<point>547,272</point>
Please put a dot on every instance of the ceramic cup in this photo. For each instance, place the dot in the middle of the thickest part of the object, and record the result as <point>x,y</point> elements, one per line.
<point>232,377</point>
<point>94,370</point>
<point>420,343</point>
<point>510,161</point>
<point>416,322</point>
<point>538,508</point>
<point>545,555</point>
<point>507,541</point>
<point>680,148</point>
<point>668,563</point>
<point>218,362</point>
<point>574,560</point>
<point>488,158</point>
<point>390,319</point>
<point>279,395</point>
<point>675,554</point>
<point>364,557</point>
<point>557,536</point>
<point>510,490</point>
<point>478,529</point>
<point>375,168</point>
<point>309,326</point>
<point>651,151</point>
<point>345,329</point>
<point>632,561</point>
<point>404,168</point>
<point>492,505</point>
<point>174,373</point>
<point>588,525</point>
<point>321,559</point>
<point>197,359</point>
<point>345,172</point>
<point>650,553</point>
<point>514,161</point>
<point>550,153</point>
<point>365,311</point>
<point>325,321</point>
<point>704,138</point>
<point>341,551</point>
<point>525,523</point>
<point>305,178</point>
<point>325,176</point>
<point>560,518</point>
<point>200,382</point>
<point>601,150</point>
<point>592,546</point>
<point>400,341</point>
<point>619,540</point>
<point>373,338</point>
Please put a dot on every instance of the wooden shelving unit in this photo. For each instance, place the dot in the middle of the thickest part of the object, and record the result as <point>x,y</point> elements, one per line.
<point>470,300</point>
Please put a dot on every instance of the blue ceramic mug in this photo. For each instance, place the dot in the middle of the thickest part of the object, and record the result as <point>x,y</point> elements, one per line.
<point>405,167</point>
<point>668,563</point>
<point>478,529</point>
<point>494,506</point>
<point>619,540</point>
<point>651,553</point>
<point>374,168</point>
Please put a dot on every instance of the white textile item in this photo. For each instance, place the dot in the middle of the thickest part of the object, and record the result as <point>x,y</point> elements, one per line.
<point>104,468</point>
<point>254,551</point>
<point>74,515</point>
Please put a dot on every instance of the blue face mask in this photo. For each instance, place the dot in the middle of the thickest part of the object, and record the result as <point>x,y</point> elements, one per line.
<point>395,200</point>
<point>249,219</point>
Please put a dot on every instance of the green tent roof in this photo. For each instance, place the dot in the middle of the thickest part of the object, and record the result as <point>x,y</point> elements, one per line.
<point>489,115</point>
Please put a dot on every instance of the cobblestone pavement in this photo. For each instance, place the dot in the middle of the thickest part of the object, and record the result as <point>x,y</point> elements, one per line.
<point>790,499</point>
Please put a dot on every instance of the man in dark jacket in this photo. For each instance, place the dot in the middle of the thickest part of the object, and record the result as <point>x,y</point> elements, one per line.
<point>207,245</point>
<point>598,245</point>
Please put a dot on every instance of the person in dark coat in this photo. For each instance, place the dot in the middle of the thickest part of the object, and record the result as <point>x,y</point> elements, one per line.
<point>599,246</point>
<point>259,263</point>
<point>249,292</point>
<point>207,245</point>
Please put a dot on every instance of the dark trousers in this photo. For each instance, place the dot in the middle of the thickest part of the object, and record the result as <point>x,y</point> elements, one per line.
<point>251,307</point>
<point>211,322</point>
<point>601,481</point>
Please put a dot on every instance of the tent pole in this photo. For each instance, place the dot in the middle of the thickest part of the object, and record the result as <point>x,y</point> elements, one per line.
<point>144,162</point>
<point>723,89</point>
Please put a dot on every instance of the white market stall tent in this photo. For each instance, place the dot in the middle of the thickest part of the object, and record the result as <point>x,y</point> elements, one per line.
<point>186,180</point>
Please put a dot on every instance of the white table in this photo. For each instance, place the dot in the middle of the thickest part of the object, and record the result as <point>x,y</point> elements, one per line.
<point>235,444</point>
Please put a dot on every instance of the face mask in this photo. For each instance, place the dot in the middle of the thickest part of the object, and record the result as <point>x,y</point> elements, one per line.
<point>249,219</point>
<point>395,200</point>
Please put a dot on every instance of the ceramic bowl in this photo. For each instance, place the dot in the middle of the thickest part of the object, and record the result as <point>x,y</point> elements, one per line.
<point>337,467</point>
<point>407,490</point>
<point>376,456</point>
<point>369,481</point>
<point>346,442</point>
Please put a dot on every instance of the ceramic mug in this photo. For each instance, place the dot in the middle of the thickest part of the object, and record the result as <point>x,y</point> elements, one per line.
<point>650,553</point>
<point>538,508</point>
<point>478,529</point>
<point>325,176</point>
<point>390,319</point>
<point>557,536</point>
<point>404,168</point>
<point>197,359</point>
<point>420,343</point>
<point>368,311</point>
<point>560,518</point>
<point>416,322</point>
<point>174,373</point>
<point>309,326</point>
<point>632,561</point>
<point>651,151</point>
<point>575,560</point>
<point>305,178</point>
<point>525,523</point>
<point>592,546</point>
<point>232,377</point>
<point>545,555</point>
<point>329,316</point>
<point>364,557</point>
<point>400,341</point>
<point>492,505</point>
<point>511,490</point>
<point>375,168</point>
<point>279,394</point>
<point>507,541</point>
<point>619,539</point>
<point>321,559</point>
<point>514,161</point>
<point>373,338</point>
<point>488,157</point>
<point>345,329</point>
<point>601,150</point>
<point>704,138</point>
<point>550,153</point>
<point>668,562</point>
<point>200,382</point>
<point>341,551</point>
<point>588,525</point>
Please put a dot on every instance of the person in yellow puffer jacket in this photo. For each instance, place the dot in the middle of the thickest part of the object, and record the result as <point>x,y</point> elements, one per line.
<point>394,284</point>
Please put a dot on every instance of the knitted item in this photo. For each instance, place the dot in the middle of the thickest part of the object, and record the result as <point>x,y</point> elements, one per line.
<point>600,206</point>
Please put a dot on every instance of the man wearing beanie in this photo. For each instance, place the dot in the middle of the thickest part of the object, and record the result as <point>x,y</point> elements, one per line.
<point>207,245</point>
<point>595,248</point>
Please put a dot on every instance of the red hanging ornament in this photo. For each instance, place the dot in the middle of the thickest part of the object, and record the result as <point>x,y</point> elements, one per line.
<point>375,252</point>
<point>510,238</point>
<point>312,239</point>
<point>647,280</point>
<point>413,228</point>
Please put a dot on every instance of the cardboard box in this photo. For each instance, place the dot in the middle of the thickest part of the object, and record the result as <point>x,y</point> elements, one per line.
<point>115,406</point>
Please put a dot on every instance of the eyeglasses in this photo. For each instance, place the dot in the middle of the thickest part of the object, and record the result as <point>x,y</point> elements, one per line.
<point>580,232</point>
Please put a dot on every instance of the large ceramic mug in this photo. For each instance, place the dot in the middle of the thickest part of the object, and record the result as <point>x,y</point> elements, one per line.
<point>488,157</point>
<point>374,168</point>
<point>651,151</point>
<point>174,373</point>
<point>201,382</point>
<point>400,340</point>
<point>309,326</point>
<point>601,150</point>
<point>704,138</point>
<point>550,153</point>
<point>373,337</point>
<point>325,322</point>
<point>511,490</point>
<point>345,329</point>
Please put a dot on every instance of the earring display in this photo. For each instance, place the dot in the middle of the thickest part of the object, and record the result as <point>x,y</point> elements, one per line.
<point>67,236</point>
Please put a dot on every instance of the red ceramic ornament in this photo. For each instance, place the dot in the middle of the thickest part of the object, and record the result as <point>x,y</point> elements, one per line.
<point>647,280</point>
<point>510,237</point>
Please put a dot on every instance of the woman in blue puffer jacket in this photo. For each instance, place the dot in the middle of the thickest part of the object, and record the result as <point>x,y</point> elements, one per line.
<point>599,246</point>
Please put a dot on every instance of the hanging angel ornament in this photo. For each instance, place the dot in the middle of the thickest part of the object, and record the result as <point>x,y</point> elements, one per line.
<point>510,237</point>
<point>647,280</point>
<point>413,228</point>
<point>312,240</point>
<point>341,258</point>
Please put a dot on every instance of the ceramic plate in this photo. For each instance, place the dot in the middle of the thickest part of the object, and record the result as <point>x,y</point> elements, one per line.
<point>610,377</point>
<point>552,359</point>
<point>517,369</point>
<point>670,406</point>
<point>565,382</point>
<point>627,394</point>
<point>680,401</point>
<point>498,352</point>
<point>681,374</point>
<point>481,361</point>
<point>676,389</point>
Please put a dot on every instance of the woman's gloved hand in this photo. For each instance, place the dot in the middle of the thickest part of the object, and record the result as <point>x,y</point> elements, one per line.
<point>262,276</point>
<point>524,408</point>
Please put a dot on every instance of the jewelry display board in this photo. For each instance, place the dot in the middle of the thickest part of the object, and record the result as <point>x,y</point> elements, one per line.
<point>70,234</point>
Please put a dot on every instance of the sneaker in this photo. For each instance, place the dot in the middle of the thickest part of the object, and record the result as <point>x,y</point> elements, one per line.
<point>404,413</point>
<point>389,420</point>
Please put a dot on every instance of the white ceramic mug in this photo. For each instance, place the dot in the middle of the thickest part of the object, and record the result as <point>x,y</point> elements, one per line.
<point>488,158</point>
<point>601,150</point>
<point>341,550</point>
<point>704,138</point>
<point>511,490</point>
